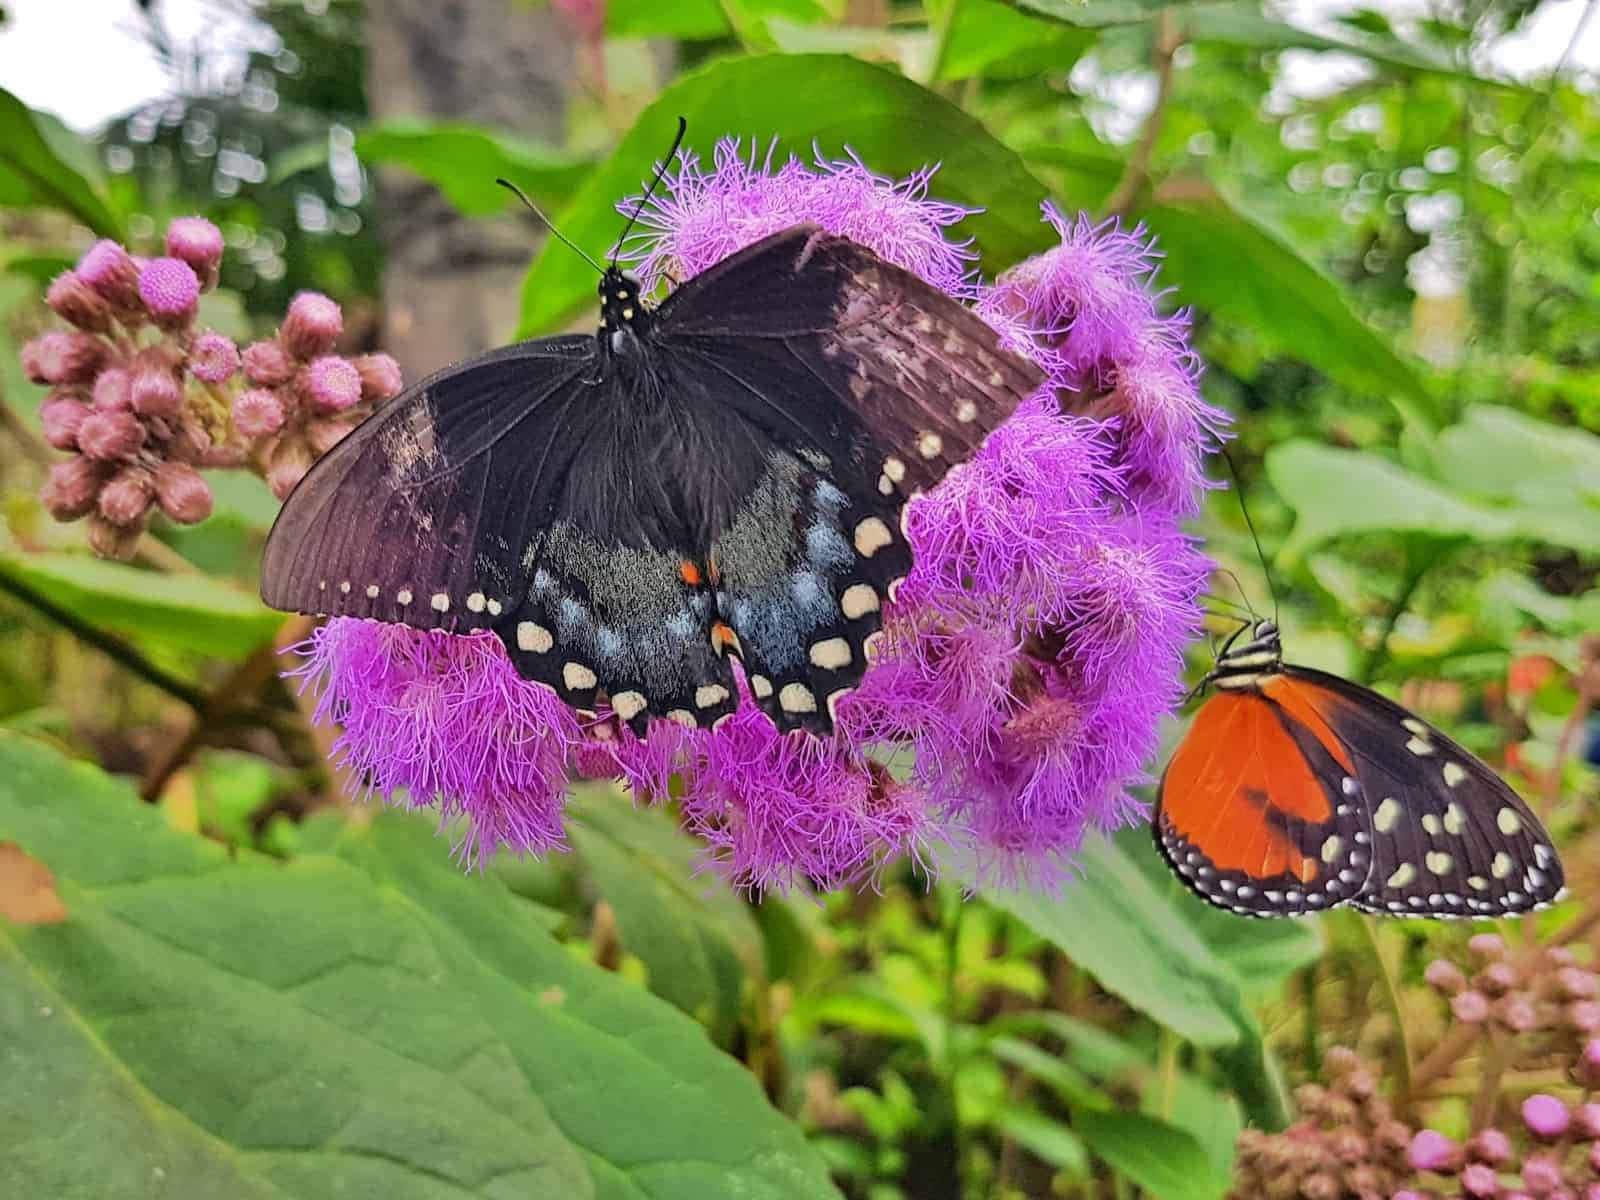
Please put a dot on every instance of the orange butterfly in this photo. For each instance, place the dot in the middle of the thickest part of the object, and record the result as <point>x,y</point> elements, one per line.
<point>1296,791</point>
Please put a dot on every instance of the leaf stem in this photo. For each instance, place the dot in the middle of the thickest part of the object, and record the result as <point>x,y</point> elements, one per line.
<point>1136,174</point>
<point>113,648</point>
<point>1391,996</point>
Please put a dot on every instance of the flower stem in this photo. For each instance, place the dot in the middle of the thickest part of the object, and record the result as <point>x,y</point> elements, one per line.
<point>1136,175</point>
<point>943,27</point>
<point>1419,562</point>
<point>954,911</point>
<point>1391,995</point>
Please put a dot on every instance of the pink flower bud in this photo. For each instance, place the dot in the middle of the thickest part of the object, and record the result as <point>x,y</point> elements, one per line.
<point>171,291</point>
<point>333,384</point>
<point>1479,1179</point>
<point>267,364</point>
<point>110,540</point>
<point>1490,1146</point>
<point>290,461</point>
<point>182,493</point>
<point>190,442</point>
<point>197,242</point>
<point>1517,1013</point>
<point>113,390</point>
<point>1348,1146</point>
<point>61,418</point>
<point>126,497</point>
<point>70,488</point>
<point>110,271</point>
<point>1470,1008</point>
<point>1545,1116</point>
<point>75,302</point>
<point>1592,1192</point>
<point>1587,1068</point>
<point>1584,1015</point>
<point>111,436</point>
<point>1444,976</point>
<point>1496,979</point>
<point>257,413</point>
<point>1594,1158</point>
<point>213,358</point>
<point>1319,1186</point>
<point>380,376</point>
<point>1408,1194</point>
<point>1541,1175</point>
<point>1392,1137</point>
<point>323,436</point>
<point>1586,1120</point>
<point>155,391</point>
<point>63,357</point>
<point>1576,984</point>
<point>1432,1151</point>
<point>1487,945</point>
<point>312,325</point>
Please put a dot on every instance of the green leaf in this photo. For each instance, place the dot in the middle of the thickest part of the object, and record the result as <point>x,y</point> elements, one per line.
<point>691,20</point>
<point>869,110</point>
<point>1231,265</point>
<point>1167,1162</point>
<point>696,938</point>
<point>1055,1072</point>
<point>182,612</point>
<point>994,39</point>
<point>1503,453</point>
<point>361,1023</point>
<point>463,162</point>
<point>1335,493</point>
<point>41,163</point>
<point>1115,924</point>
<point>1045,1137</point>
<point>1212,1118</point>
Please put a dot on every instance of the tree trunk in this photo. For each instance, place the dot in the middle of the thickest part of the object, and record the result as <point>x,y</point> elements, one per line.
<point>452,286</point>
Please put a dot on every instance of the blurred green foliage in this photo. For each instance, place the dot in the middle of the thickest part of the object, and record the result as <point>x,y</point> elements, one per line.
<point>1393,260</point>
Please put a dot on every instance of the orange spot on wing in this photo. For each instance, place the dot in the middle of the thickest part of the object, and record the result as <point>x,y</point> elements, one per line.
<point>1237,763</point>
<point>724,638</point>
<point>691,573</point>
<point>1314,707</point>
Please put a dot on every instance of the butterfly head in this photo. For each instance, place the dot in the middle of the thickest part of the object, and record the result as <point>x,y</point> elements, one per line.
<point>1241,666</point>
<point>622,311</point>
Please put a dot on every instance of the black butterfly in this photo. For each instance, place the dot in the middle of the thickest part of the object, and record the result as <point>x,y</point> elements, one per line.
<point>722,477</point>
<point>1296,791</point>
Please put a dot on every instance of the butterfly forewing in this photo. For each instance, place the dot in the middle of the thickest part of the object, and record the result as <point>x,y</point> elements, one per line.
<point>721,479</point>
<point>1449,836</point>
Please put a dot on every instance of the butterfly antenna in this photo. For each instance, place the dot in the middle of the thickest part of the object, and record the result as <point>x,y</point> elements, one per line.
<point>1266,571</point>
<point>548,224</point>
<point>661,173</point>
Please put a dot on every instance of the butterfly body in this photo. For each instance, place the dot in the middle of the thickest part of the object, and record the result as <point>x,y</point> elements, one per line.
<point>1296,791</point>
<point>720,478</point>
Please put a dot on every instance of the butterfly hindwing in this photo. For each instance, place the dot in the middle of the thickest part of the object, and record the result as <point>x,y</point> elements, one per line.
<point>1449,836</point>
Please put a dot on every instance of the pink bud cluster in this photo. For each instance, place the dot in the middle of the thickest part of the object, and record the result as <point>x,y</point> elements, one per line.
<point>1347,1143</point>
<point>1535,1007</point>
<point>303,398</point>
<point>142,400</point>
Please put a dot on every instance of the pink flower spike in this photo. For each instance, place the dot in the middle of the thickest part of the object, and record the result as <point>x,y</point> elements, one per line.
<point>171,291</point>
<point>197,242</point>
<point>312,325</point>
<point>61,418</point>
<point>1545,1116</point>
<point>1444,976</point>
<point>70,489</point>
<point>155,392</point>
<point>1490,1146</point>
<point>1586,1120</point>
<point>213,358</point>
<point>1541,1175</point>
<point>182,493</point>
<point>333,383</point>
<point>380,376</point>
<point>76,303</point>
<point>1487,945</point>
<point>111,436</point>
<point>267,364</point>
<point>1584,1015</point>
<point>257,413</point>
<point>126,498</point>
<point>1432,1151</point>
<point>1479,1180</point>
<point>63,357</point>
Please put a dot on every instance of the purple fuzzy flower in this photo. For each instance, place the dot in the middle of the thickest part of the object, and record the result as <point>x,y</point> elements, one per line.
<point>1027,660</point>
<point>213,358</point>
<point>170,290</point>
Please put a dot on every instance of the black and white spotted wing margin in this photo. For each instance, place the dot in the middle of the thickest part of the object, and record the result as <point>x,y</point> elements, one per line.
<point>722,478</point>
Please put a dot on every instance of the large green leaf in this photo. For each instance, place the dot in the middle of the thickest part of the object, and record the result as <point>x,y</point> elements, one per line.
<point>1115,924</point>
<point>463,161</point>
<point>691,20</point>
<point>1231,265</point>
<point>184,612</point>
<point>1340,492</point>
<point>362,1022</point>
<point>42,164</point>
<point>696,938</point>
<point>1507,454</point>
<point>1167,1162</point>
<point>869,109</point>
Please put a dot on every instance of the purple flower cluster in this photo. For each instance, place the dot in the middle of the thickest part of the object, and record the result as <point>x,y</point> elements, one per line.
<point>140,398</point>
<point>1536,1007</point>
<point>1029,657</point>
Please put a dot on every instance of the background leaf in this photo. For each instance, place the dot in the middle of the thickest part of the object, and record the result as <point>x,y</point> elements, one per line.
<point>1167,1162</point>
<point>463,161</point>
<point>769,97</point>
<point>365,1022</point>
<point>43,164</point>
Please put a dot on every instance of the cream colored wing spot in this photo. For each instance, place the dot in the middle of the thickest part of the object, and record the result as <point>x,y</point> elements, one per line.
<point>871,536</point>
<point>578,677</point>
<point>533,637</point>
<point>797,698</point>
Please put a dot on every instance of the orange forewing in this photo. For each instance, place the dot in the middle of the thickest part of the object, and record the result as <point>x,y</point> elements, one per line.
<point>1237,758</point>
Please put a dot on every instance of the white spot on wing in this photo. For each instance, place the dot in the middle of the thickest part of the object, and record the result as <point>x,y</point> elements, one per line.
<point>797,698</point>
<point>1383,820</point>
<point>833,654</point>
<point>578,677</point>
<point>872,535</point>
<point>533,637</point>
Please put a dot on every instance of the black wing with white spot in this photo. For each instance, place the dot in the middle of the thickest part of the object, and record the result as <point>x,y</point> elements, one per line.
<point>1449,836</point>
